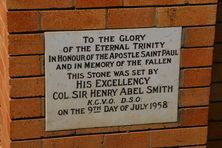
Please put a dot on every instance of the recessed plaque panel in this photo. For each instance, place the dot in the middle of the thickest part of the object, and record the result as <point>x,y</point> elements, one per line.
<point>106,78</point>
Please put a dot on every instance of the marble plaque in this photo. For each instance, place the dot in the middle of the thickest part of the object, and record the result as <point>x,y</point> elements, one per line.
<point>102,78</point>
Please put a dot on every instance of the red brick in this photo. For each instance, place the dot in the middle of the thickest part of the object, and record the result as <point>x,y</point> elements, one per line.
<point>183,122</point>
<point>98,3</point>
<point>97,130</point>
<point>4,62</point>
<point>194,116</point>
<point>32,87</point>
<point>179,137</point>
<point>26,44</point>
<point>73,20</point>
<point>3,67</point>
<point>4,85</point>
<point>199,36</point>
<point>25,66</point>
<point>35,126</point>
<point>165,2</point>
<point>3,15</point>
<point>217,72</point>
<point>151,2</point>
<point>38,4</point>
<point>3,31</point>
<point>1,122</point>
<point>39,131</point>
<point>195,77</point>
<point>74,142</point>
<point>23,21</point>
<point>5,121</point>
<point>24,129</point>
<point>218,53</point>
<point>26,144</point>
<point>5,105</point>
<point>218,36</point>
<point>215,111</point>
<point>3,10</point>
<point>5,143</point>
<point>194,97</point>
<point>128,140</point>
<point>57,133</point>
<point>197,115</point>
<point>26,108</point>
<point>27,87</point>
<point>4,93</point>
<point>195,57</point>
<point>33,107</point>
<point>189,117</point>
<point>130,18</point>
<point>216,94</point>
<point>186,16</point>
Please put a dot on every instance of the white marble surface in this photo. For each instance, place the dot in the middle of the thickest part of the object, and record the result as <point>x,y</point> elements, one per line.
<point>83,89</point>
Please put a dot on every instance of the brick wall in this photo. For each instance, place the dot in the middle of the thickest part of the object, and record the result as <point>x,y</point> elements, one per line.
<point>28,20</point>
<point>215,115</point>
<point>4,77</point>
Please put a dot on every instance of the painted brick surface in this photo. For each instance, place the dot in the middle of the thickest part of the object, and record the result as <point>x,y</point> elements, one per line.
<point>22,61</point>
